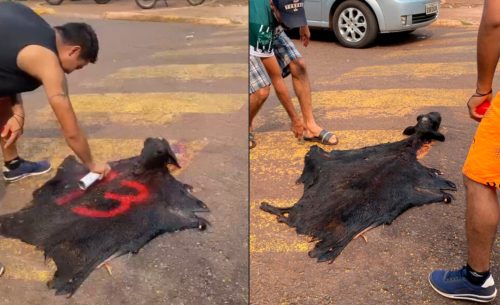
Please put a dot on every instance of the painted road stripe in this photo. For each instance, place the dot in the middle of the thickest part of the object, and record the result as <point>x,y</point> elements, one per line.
<point>379,103</point>
<point>267,235</point>
<point>415,71</point>
<point>470,40</point>
<point>278,155</point>
<point>24,262</point>
<point>55,149</point>
<point>198,51</point>
<point>278,246</point>
<point>431,51</point>
<point>214,40</point>
<point>178,72</point>
<point>147,108</point>
<point>236,32</point>
<point>453,34</point>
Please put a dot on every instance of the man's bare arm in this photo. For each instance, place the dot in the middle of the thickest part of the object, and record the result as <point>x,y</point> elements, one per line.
<point>13,128</point>
<point>50,73</point>
<point>488,53</point>
<point>488,46</point>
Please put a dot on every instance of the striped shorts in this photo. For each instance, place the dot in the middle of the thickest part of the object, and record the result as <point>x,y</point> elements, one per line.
<point>285,52</point>
<point>258,75</point>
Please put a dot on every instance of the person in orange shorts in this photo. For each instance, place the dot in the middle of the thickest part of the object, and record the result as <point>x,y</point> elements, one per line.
<point>481,176</point>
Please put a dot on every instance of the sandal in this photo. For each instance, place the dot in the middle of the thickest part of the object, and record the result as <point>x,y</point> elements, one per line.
<point>323,138</point>
<point>251,141</point>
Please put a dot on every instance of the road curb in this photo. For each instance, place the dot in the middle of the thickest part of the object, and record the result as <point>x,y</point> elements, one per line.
<point>133,16</point>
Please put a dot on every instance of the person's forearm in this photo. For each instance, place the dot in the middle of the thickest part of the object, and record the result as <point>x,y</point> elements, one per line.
<point>73,134</point>
<point>284,98</point>
<point>80,146</point>
<point>17,105</point>
<point>488,48</point>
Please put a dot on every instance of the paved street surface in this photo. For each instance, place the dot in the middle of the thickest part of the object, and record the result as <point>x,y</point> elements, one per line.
<point>367,97</point>
<point>186,83</point>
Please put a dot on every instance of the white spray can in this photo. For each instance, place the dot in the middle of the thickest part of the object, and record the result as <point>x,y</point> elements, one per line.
<point>88,180</point>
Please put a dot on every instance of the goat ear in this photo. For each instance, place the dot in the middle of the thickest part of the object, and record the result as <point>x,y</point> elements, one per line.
<point>436,135</point>
<point>409,130</point>
<point>171,157</point>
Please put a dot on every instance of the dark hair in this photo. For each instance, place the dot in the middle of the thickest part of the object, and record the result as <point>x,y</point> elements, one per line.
<point>82,35</point>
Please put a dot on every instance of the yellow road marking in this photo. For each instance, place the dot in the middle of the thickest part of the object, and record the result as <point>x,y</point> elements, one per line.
<point>241,40</point>
<point>264,222</point>
<point>40,9</point>
<point>267,235</point>
<point>243,33</point>
<point>453,34</point>
<point>278,154</point>
<point>419,71</point>
<point>431,51</point>
<point>183,72</point>
<point>407,71</point>
<point>471,40</point>
<point>378,103</point>
<point>200,51</point>
<point>147,108</point>
<point>280,246</point>
<point>55,149</point>
<point>24,262</point>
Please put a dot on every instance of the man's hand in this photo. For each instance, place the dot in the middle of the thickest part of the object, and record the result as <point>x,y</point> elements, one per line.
<point>305,35</point>
<point>298,128</point>
<point>99,168</point>
<point>13,129</point>
<point>474,101</point>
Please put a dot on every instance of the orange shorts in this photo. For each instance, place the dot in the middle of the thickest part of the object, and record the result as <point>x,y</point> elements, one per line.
<point>483,161</point>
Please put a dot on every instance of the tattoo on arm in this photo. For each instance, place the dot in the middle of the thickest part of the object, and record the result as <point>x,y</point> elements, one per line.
<point>56,95</point>
<point>64,86</point>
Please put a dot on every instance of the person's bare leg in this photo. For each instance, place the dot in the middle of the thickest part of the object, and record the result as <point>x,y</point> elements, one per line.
<point>302,88</point>
<point>5,114</point>
<point>257,99</point>
<point>482,217</point>
<point>274,71</point>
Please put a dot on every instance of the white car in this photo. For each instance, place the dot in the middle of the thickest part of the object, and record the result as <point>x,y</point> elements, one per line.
<point>356,23</point>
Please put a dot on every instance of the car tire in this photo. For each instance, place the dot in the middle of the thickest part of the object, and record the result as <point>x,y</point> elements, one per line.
<point>195,2</point>
<point>146,4</point>
<point>54,2</point>
<point>354,24</point>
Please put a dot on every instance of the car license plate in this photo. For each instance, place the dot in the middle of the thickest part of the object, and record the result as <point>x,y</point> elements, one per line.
<point>431,8</point>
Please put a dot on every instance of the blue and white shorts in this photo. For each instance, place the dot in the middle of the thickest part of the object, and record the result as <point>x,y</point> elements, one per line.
<point>285,52</point>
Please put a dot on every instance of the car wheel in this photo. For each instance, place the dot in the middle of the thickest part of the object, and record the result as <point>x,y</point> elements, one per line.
<point>354,24</point>
<point>54,2</point>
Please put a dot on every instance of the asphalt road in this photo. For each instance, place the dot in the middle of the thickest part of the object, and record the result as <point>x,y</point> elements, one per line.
<point>367,97</point>
<point>185,83</point>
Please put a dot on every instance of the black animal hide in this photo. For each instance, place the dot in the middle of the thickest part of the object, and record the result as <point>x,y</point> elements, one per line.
<point>79,230</point>
<point>347,192</point>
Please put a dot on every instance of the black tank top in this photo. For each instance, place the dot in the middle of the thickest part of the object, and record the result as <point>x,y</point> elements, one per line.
<point>20,27</point>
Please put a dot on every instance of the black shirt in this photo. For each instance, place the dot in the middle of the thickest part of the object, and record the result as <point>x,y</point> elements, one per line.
<point>20,27</point>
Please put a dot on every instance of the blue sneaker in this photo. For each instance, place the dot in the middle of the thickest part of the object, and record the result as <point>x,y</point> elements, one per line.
<point>25,169</point>
<point>454,285</point>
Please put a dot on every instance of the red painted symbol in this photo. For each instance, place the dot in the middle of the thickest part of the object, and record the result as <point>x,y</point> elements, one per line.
<point>125,201</point>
